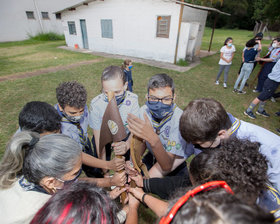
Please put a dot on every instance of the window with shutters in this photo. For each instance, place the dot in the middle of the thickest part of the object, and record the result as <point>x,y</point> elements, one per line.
<point>106,28</point>
<point>30,15</point>
<point>72,28</point>
<point>163,26</point>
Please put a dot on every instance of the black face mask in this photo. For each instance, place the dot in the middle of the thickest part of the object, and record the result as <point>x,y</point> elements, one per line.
<point>197,146</point>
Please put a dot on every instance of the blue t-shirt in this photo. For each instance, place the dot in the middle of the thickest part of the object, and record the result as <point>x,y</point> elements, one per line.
<point>249,55</point>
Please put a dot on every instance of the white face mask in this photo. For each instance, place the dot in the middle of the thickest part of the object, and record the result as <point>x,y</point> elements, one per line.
<point>274,45</point>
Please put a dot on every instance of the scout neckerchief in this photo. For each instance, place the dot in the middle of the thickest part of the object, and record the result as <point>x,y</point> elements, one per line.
<point>235,124</point>
<point>28,186</point>
<point>83,138</point>
<point>158,125</point>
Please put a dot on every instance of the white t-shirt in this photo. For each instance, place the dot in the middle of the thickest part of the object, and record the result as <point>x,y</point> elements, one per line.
<point>227,53</point>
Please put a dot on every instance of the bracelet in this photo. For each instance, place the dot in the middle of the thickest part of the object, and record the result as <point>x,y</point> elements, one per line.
<point>143,198</point>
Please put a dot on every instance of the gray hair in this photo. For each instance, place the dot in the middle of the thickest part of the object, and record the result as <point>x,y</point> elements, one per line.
<point>161,81</point>
<point>53,155</point>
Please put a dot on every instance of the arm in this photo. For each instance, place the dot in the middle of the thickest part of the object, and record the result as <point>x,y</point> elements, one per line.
<point>119,179</point>
<point>243,59</point>
<point>158,206</point>
<point>231,57</point>
<point>116,164</point>
<point>222,57</point>
<point>144,130</point>
<point>133,203</point>
<point>163,187</point>
<point>156,170</point>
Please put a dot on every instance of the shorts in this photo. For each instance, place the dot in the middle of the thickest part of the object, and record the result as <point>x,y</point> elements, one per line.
<point>269,88</point>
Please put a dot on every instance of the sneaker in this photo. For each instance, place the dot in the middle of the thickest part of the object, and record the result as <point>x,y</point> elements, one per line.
<point>264,114</point>
<point>250,114</point>
<point>217,83</point>
<point>273,99</point>
<point>225,85</point>
<point>246,84</point>
<point>241,92</point>
<point>256,91</point>
<point>278,113</point>
<point>234,90</point>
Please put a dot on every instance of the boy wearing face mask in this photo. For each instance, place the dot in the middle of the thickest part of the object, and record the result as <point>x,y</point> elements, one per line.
<point>113,79</point>
<point>159,127</point>
<point>72,97</point>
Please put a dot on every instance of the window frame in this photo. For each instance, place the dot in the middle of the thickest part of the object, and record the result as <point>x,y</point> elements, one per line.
<point>163,33</point>
<point>29,13</point>
<point>45,15</point>
<point>72,24</point>
<point>106,33</point>
<point>58,16</point>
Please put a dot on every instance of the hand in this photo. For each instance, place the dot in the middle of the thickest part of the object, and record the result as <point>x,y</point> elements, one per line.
<point>120,148</point>
<point>137,192</point>
<point>133,202</point>
<point>258,59</point>
<point>129,169</point>
<point>117,164</point>
<point>119,179</point>
<point>140,128</point>
<point>138,180</point>
<point>116,192</point>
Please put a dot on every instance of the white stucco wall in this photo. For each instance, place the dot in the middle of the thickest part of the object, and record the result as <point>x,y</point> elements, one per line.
<point>14,24</point>
<point>134,27</point>
<point>192,15</point>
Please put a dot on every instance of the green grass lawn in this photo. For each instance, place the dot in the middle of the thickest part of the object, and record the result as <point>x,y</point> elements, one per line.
<point>197,82</point>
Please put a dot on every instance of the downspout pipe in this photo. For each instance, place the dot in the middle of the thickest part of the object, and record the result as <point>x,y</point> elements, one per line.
<point>38,14</point>
<point>179,30</point>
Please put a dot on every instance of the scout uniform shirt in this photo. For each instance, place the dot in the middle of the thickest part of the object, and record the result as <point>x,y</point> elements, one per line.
<point>98,106</point>
<point>169,134</point>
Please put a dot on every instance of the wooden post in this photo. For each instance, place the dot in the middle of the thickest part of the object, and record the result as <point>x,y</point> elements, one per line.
<point>179,30</point>
<point>111,95</point>
<point>213,30</point>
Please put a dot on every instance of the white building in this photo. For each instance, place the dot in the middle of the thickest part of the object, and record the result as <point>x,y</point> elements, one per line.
<point>21,18</point>
<point>139,28</point>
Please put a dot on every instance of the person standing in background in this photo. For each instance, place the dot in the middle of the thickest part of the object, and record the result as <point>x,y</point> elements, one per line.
<point>127,66</point>
<point>227,53</point>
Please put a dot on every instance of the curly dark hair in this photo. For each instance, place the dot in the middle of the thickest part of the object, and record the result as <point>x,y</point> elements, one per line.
<point>39,117</point>
<point>238,162</point>
<point>71,94</point>
<point>78,203</point>
<point>218,206</point>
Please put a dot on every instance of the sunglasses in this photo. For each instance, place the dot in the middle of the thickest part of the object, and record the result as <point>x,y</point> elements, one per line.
<point>204,187</point>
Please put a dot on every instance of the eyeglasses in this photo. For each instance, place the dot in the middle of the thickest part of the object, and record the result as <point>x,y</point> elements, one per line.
<point>164,100</point>
<point>72,180</point>
<point>204,187</point>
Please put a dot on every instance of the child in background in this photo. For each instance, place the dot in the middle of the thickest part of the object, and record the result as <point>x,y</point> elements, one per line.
<point>227,53</point>
<point>127,66</point>
<point>248,65</point>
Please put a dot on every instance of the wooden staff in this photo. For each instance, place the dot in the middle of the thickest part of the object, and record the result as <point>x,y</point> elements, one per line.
<point>111,95</point>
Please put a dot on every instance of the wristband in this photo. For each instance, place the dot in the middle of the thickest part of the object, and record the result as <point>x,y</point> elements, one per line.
<point>143,198</point>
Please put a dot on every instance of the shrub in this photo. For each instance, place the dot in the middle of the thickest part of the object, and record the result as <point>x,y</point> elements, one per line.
<point>47,37</point>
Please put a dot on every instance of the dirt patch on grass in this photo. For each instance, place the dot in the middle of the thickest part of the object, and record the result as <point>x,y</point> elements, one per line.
<point>48,70</point>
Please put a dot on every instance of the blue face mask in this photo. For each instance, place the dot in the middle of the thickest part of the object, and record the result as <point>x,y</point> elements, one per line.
<point>229,44</point>
<point>130,67</point>
<point>159,110</point>
<point>119,98</point>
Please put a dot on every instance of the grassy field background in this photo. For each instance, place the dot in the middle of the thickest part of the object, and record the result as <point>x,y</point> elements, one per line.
<point>19,57</point>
